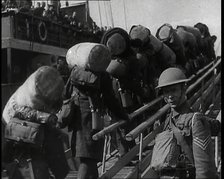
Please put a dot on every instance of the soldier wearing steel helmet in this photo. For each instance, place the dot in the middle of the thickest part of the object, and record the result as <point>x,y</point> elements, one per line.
<point>126,77</point>
<point>169,36</point>
<point>195,127</point>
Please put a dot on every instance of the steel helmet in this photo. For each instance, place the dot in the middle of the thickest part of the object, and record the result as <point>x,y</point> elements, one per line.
<point>140,32</point>
<point>171,76</point>
<point>116,44</point>
<point>165,32</point>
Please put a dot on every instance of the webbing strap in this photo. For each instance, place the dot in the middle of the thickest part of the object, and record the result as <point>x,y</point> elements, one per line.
<point>30,168</point>
<point>182,142</point>
<point>160,49</point>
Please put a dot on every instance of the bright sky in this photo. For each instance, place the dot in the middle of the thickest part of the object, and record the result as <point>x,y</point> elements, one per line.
<point>154,13</point>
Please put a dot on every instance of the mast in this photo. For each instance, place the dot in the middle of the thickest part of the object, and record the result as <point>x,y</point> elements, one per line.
<point>100,13</point>
<point>87,10</point>
<point>111,14</point>
<point>125,15</point>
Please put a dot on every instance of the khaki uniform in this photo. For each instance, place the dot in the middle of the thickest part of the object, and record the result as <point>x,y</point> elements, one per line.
<point>197,130</point>
<point>99,88</point>
<point>128,86</point>
<point>50,156</point>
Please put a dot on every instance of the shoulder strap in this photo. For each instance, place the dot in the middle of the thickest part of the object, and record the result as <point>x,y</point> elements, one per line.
<point>91,103</point>
<point>182,142</point>
<point>118,84</point>
<point>160,49</point>
<point>68,89</point>
<point>192,122</point>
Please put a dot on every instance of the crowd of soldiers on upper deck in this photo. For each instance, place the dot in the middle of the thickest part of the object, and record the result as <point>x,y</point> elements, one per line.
<point>50,12</point>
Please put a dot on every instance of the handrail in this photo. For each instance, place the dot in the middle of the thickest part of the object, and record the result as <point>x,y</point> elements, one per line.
<point>146,107</point>
<point>128,156</point>
<point>42,18</point>
<point>206,93</point>
<point>191,87</point>
<point>10,84</point>
<point>200,71</point>
<point>115,125</point>
<point>135,132</point>
<point>120,163</point>
<point>193,98</point>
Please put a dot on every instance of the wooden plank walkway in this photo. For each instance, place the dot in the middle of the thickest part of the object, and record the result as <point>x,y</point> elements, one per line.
<point>123,173</point>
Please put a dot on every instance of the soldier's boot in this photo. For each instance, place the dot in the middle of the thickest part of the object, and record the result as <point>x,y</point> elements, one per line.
<point>87,169</point>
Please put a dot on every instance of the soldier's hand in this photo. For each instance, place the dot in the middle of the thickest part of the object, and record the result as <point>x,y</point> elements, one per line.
<point>60,125</point>
<point>52,120</point>
<point>127,120</point>
<point>215,126</point>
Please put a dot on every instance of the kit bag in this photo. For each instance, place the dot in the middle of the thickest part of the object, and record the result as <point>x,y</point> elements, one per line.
<point>26,132</point>
<point>66,115</point>
<point>91,56</point>
<point>79,78</point>
<point>41,91</point>
<point>166,151</point>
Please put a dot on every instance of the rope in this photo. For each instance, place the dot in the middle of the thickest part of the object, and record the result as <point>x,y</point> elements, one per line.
<point>87,10</point>
<point>106,13</point>
<point>100,13</point>
<point>111,15</point>
<point>32,30</point>
<point>125,16</point>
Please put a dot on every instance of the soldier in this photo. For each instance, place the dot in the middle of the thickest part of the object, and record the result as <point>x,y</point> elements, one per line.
<point>196,129</point>
<point>197,34</point>
<point>207,41</point>
<point>189,41</point>
<point>168,35</point>
<point>74,20</point>
<point>158,56</point>
<point>124,69</point>
<point>35,102</point>
<point>92,92</point>
<point>190,46</point>
<point>38,11</point>
<point>124,66</point>
<point>63,69</point>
